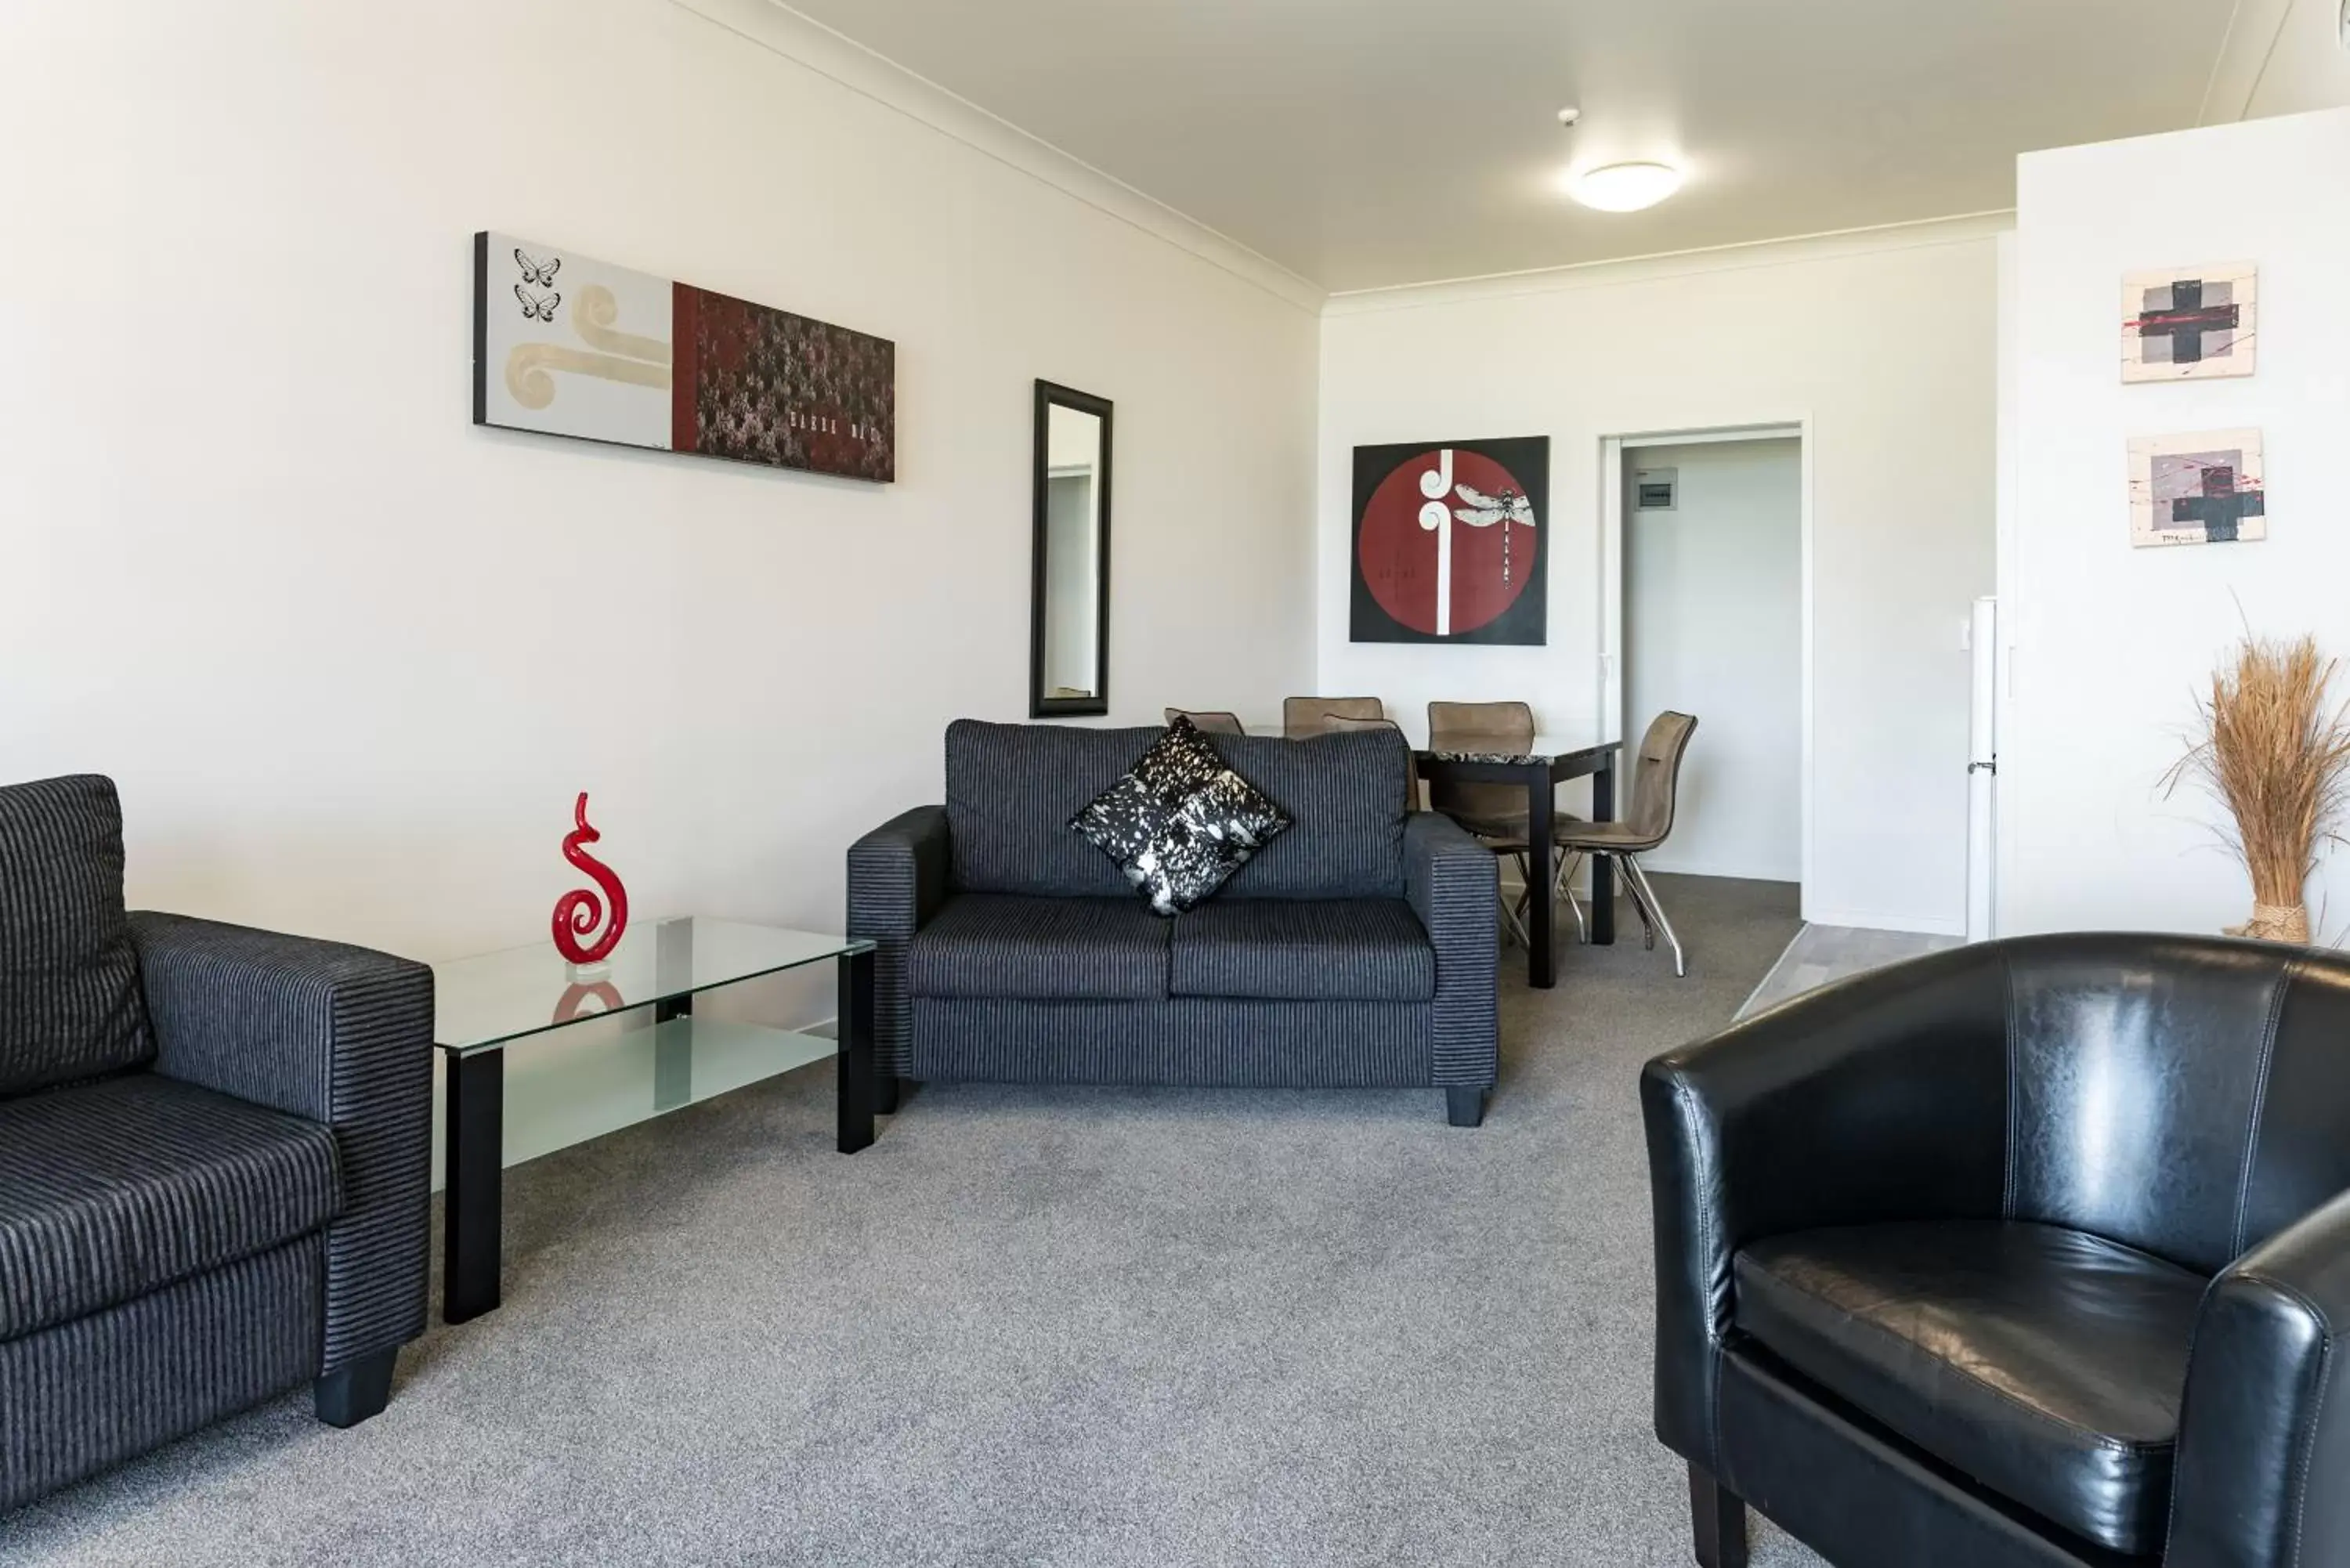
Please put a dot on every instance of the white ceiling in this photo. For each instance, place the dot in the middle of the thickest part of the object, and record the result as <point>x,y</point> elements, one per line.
<point>1369,142</point>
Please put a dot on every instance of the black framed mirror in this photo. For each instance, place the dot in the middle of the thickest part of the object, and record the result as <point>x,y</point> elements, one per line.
<point>1069,654</point>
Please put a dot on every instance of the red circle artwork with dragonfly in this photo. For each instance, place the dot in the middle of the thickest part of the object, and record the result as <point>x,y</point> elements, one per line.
<point>1447,542</point>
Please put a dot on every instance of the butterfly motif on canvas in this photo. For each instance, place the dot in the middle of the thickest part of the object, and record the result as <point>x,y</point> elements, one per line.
<point>534,270</point>
<point>538,307</point>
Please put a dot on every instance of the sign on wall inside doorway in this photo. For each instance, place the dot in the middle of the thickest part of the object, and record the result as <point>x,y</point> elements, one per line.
<point>2202,489</point>
<point>1447,542</point>
<point>570,345</point>
<point>2190,324</point>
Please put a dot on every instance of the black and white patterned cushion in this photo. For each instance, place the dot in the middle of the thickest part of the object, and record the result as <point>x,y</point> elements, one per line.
<point>1180,822</point>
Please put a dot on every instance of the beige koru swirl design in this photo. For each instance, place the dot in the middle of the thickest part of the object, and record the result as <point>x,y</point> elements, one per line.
<point>625,356</point>
<point>594,310</point>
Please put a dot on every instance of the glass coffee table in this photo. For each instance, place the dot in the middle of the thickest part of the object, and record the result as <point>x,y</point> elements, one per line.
<point>481,1005</point>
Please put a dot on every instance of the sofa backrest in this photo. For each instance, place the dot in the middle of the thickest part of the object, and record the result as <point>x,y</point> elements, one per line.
<point>69,1003</point>
<point>1013,788</point>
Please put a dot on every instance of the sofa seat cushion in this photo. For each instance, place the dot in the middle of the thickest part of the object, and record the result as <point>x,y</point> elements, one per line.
<point>1010,945</point>
<point>2046,1364</point>
<point>112,1189</point>
<point>1347,950</point>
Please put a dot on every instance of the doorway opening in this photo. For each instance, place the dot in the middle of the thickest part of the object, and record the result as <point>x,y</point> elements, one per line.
<point>1705,576</point>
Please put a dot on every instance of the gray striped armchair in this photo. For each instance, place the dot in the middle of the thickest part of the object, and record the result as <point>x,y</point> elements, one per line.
<point>216,1155</point>
<point>1356,948</point>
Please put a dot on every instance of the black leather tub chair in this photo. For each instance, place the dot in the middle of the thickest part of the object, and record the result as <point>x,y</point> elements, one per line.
<point>215,1150</point>
<point>2033,1252</point>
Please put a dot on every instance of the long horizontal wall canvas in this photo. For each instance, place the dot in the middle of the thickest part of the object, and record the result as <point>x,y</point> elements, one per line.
<point>2190,324</point>
<point>2205,489</point>
<point>569,345</point>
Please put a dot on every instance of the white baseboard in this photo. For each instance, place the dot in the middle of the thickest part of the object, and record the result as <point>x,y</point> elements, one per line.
<point>1663,867</point>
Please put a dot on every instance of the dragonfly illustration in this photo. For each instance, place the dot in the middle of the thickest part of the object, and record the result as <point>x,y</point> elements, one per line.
<point>1484,511</point>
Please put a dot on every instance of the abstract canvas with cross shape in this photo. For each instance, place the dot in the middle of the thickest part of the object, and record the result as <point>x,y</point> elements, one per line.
<point>1447,542</point>
<point>2197,489</point>
<point>2190,323</point>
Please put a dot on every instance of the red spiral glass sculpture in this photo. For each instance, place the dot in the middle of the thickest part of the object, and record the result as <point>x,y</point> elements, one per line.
<point>577,912</point>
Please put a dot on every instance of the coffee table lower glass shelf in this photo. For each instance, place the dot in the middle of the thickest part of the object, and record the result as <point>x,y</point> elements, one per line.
<point>612,1080</point>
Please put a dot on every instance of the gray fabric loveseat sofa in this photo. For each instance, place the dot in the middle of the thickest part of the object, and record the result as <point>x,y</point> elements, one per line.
<point>1356,948</point>
<point>215,1152</point>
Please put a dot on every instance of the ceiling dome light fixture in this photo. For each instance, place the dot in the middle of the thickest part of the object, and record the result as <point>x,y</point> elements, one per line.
<point>1625,187</point>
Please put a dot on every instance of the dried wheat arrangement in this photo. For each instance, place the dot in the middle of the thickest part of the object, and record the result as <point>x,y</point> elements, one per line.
<point>2270,748</point>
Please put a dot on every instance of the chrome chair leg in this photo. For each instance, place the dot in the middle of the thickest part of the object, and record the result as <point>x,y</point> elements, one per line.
<point>1562,887</point>
<point>1639,878</point>
<point>1641,908</point>
<point>1513,928</point>
<point>1513,914</point>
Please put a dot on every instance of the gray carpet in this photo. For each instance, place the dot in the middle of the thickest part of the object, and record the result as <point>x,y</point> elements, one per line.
<point>1080,1327</point>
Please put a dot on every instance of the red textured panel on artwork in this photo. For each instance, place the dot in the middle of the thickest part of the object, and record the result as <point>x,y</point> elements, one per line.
<point>761,385</point>
<point>685,325</point>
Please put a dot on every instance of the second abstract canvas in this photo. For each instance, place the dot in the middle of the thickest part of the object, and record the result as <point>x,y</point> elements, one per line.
<point>2204,488</point>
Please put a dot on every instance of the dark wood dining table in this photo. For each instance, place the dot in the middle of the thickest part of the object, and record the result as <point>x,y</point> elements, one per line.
<point>1539,767</point>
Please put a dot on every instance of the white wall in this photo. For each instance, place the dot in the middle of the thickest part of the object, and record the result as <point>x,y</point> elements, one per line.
<point>350,657</point>
<point>1714,625</point>
<point>1885,342</point>
<point>2108,643</point>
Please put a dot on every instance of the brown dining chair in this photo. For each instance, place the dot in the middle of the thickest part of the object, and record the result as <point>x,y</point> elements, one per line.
<point>1302,717</point>
<point>1495,813</point>
<point>1656,791</point>
<point>1208,721</point>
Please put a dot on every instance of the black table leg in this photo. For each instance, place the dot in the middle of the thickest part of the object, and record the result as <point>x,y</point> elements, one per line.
<point>476,1085</point>
<point>1541,909</point>
<point>855,1030</point>
<point>1603,869</point>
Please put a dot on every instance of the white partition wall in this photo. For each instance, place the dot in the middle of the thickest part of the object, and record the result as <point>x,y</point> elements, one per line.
<point>2107,644</point>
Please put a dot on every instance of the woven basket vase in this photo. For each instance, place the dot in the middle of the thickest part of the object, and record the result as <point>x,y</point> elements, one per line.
<point>2275,923</point>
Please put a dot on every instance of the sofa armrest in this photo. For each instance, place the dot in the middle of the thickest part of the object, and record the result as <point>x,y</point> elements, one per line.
<point>1454,885</point>
<point>339,1034</point>
<point>2264,1433</point>
<point>1882,1098</point>
<point>898,876</point>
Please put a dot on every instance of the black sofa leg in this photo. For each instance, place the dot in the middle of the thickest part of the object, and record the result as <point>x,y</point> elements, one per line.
<point>885,1094</point>
<point>349,1394</point>
<point>1721,1518</point>
<point>1464,1107</point>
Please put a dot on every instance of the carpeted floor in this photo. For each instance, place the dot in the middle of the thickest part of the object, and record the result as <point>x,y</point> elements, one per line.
<point>1091,1328</point>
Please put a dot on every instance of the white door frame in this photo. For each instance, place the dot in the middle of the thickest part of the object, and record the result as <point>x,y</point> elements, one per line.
<point>1611,587</point>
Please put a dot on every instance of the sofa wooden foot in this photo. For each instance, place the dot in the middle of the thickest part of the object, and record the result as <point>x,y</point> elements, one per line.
<point>1464,1107</point>
<point>1719,1516</point>
<point>351,1394</point>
